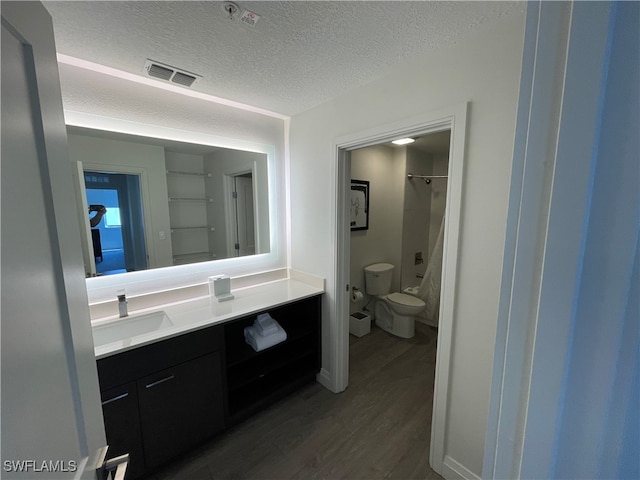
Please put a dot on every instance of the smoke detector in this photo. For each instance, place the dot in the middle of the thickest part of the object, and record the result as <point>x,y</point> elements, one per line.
<point>170,74</point>
<point>231,9</point>
<point>234,12</point>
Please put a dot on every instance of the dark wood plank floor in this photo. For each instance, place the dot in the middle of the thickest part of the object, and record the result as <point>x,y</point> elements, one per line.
<point>379,428</point>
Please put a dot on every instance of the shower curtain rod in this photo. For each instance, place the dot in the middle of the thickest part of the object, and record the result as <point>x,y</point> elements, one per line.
<point>426,178</point>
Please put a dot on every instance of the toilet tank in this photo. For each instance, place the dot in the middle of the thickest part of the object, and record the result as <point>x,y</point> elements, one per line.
<point>377,278</point>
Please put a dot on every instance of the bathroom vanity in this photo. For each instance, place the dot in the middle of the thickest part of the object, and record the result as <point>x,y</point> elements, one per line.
<point>192,376</point>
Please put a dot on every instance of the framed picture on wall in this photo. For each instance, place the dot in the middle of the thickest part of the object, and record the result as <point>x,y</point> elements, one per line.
<point>359,205</point>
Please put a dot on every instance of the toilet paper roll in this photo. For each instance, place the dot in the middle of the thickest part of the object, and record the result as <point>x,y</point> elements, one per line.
<point>357,296</point>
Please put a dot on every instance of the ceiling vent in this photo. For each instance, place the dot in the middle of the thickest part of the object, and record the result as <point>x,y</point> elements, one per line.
<point>170,74</point>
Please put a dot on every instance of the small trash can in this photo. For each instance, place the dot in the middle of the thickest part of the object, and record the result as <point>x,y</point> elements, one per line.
<point>359,324</point>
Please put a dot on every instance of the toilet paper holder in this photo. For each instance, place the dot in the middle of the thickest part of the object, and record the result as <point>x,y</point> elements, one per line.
<point>356,294</point>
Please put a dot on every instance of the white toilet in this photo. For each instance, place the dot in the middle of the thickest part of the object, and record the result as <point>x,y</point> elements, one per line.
<point>394,312</point>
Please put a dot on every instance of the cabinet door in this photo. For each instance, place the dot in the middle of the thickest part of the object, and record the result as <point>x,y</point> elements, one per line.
<point>180,407</point>
<point>122,426</point>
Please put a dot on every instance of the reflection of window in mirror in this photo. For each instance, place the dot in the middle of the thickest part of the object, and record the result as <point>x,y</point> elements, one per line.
<point>112,218</point>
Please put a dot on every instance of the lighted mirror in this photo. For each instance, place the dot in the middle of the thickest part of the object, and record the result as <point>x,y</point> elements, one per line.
<point>149,202</point>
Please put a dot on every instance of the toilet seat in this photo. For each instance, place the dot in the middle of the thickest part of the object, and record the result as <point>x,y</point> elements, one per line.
<point>404,299</point>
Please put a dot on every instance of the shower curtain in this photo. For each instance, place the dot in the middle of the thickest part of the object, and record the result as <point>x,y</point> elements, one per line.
<point>429,290</point>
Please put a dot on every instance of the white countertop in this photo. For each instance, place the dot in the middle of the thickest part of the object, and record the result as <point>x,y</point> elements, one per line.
<point>197,313</point>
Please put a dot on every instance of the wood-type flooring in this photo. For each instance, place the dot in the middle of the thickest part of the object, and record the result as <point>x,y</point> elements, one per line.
<point>378,428</point>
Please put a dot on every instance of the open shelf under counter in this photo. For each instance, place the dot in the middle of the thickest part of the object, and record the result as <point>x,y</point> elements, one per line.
<point>255,379</point>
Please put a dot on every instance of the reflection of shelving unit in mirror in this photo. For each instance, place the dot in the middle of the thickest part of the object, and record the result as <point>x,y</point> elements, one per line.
<point>211,229</point>
<point>181,172</point>
<point>190,199</point>
<point>186,258</point>
<point>188,208</point>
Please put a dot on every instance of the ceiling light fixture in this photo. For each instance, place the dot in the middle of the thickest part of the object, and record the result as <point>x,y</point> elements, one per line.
<point>403,141</point>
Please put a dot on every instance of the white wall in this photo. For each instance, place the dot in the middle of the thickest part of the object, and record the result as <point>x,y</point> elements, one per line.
<point>151,160</point>
<point>92,93</point>
<point>484,71</point>
<point>383,167</point>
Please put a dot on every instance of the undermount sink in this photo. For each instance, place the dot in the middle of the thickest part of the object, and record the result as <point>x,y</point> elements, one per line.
<point>130,327</point>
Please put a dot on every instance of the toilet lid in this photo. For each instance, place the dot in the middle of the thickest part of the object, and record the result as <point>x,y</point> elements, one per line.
<point>404,299</point>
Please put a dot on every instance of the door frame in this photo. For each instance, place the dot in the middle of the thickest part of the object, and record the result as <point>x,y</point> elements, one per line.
<point>88,254</point>
<point>455,119</point>
<point>229,206</point>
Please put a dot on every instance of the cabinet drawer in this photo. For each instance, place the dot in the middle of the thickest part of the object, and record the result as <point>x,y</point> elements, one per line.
<point>180,407</point>
<point>133,364</point>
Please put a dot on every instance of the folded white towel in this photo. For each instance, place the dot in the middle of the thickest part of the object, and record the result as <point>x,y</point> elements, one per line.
<point>258,342</point>
<point>265,325</point>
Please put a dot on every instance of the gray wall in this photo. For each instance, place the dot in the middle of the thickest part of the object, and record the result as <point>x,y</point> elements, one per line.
<point>383,167</point>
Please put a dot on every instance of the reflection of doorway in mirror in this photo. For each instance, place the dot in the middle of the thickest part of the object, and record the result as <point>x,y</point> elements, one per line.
<point>244,215</point>
<point>118,239</point>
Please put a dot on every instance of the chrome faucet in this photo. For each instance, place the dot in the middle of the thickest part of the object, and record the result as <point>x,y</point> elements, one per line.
<point>122,304</point>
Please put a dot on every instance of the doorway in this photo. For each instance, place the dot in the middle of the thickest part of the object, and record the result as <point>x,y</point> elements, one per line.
<point>118,238</point>
<point>240,213</point>
<point>244,215</point>
<point>405,208</point>
<point>453,119</point>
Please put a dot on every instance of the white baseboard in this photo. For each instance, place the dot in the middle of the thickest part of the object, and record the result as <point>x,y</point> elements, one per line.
<point>324,379</point>
<point>452,470</point>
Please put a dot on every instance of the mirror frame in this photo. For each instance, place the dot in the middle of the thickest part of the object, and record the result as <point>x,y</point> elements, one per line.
<point>103,288</point>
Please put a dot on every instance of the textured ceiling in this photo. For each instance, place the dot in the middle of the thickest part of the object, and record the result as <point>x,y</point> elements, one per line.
<point>299,55</point>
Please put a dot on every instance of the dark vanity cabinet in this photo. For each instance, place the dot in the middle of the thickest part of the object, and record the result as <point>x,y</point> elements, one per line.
<point>163,399</point>
<point>180,407</point>
<point>122,425</point>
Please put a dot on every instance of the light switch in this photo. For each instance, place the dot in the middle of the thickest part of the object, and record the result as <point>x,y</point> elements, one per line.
<point>161,235</point>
